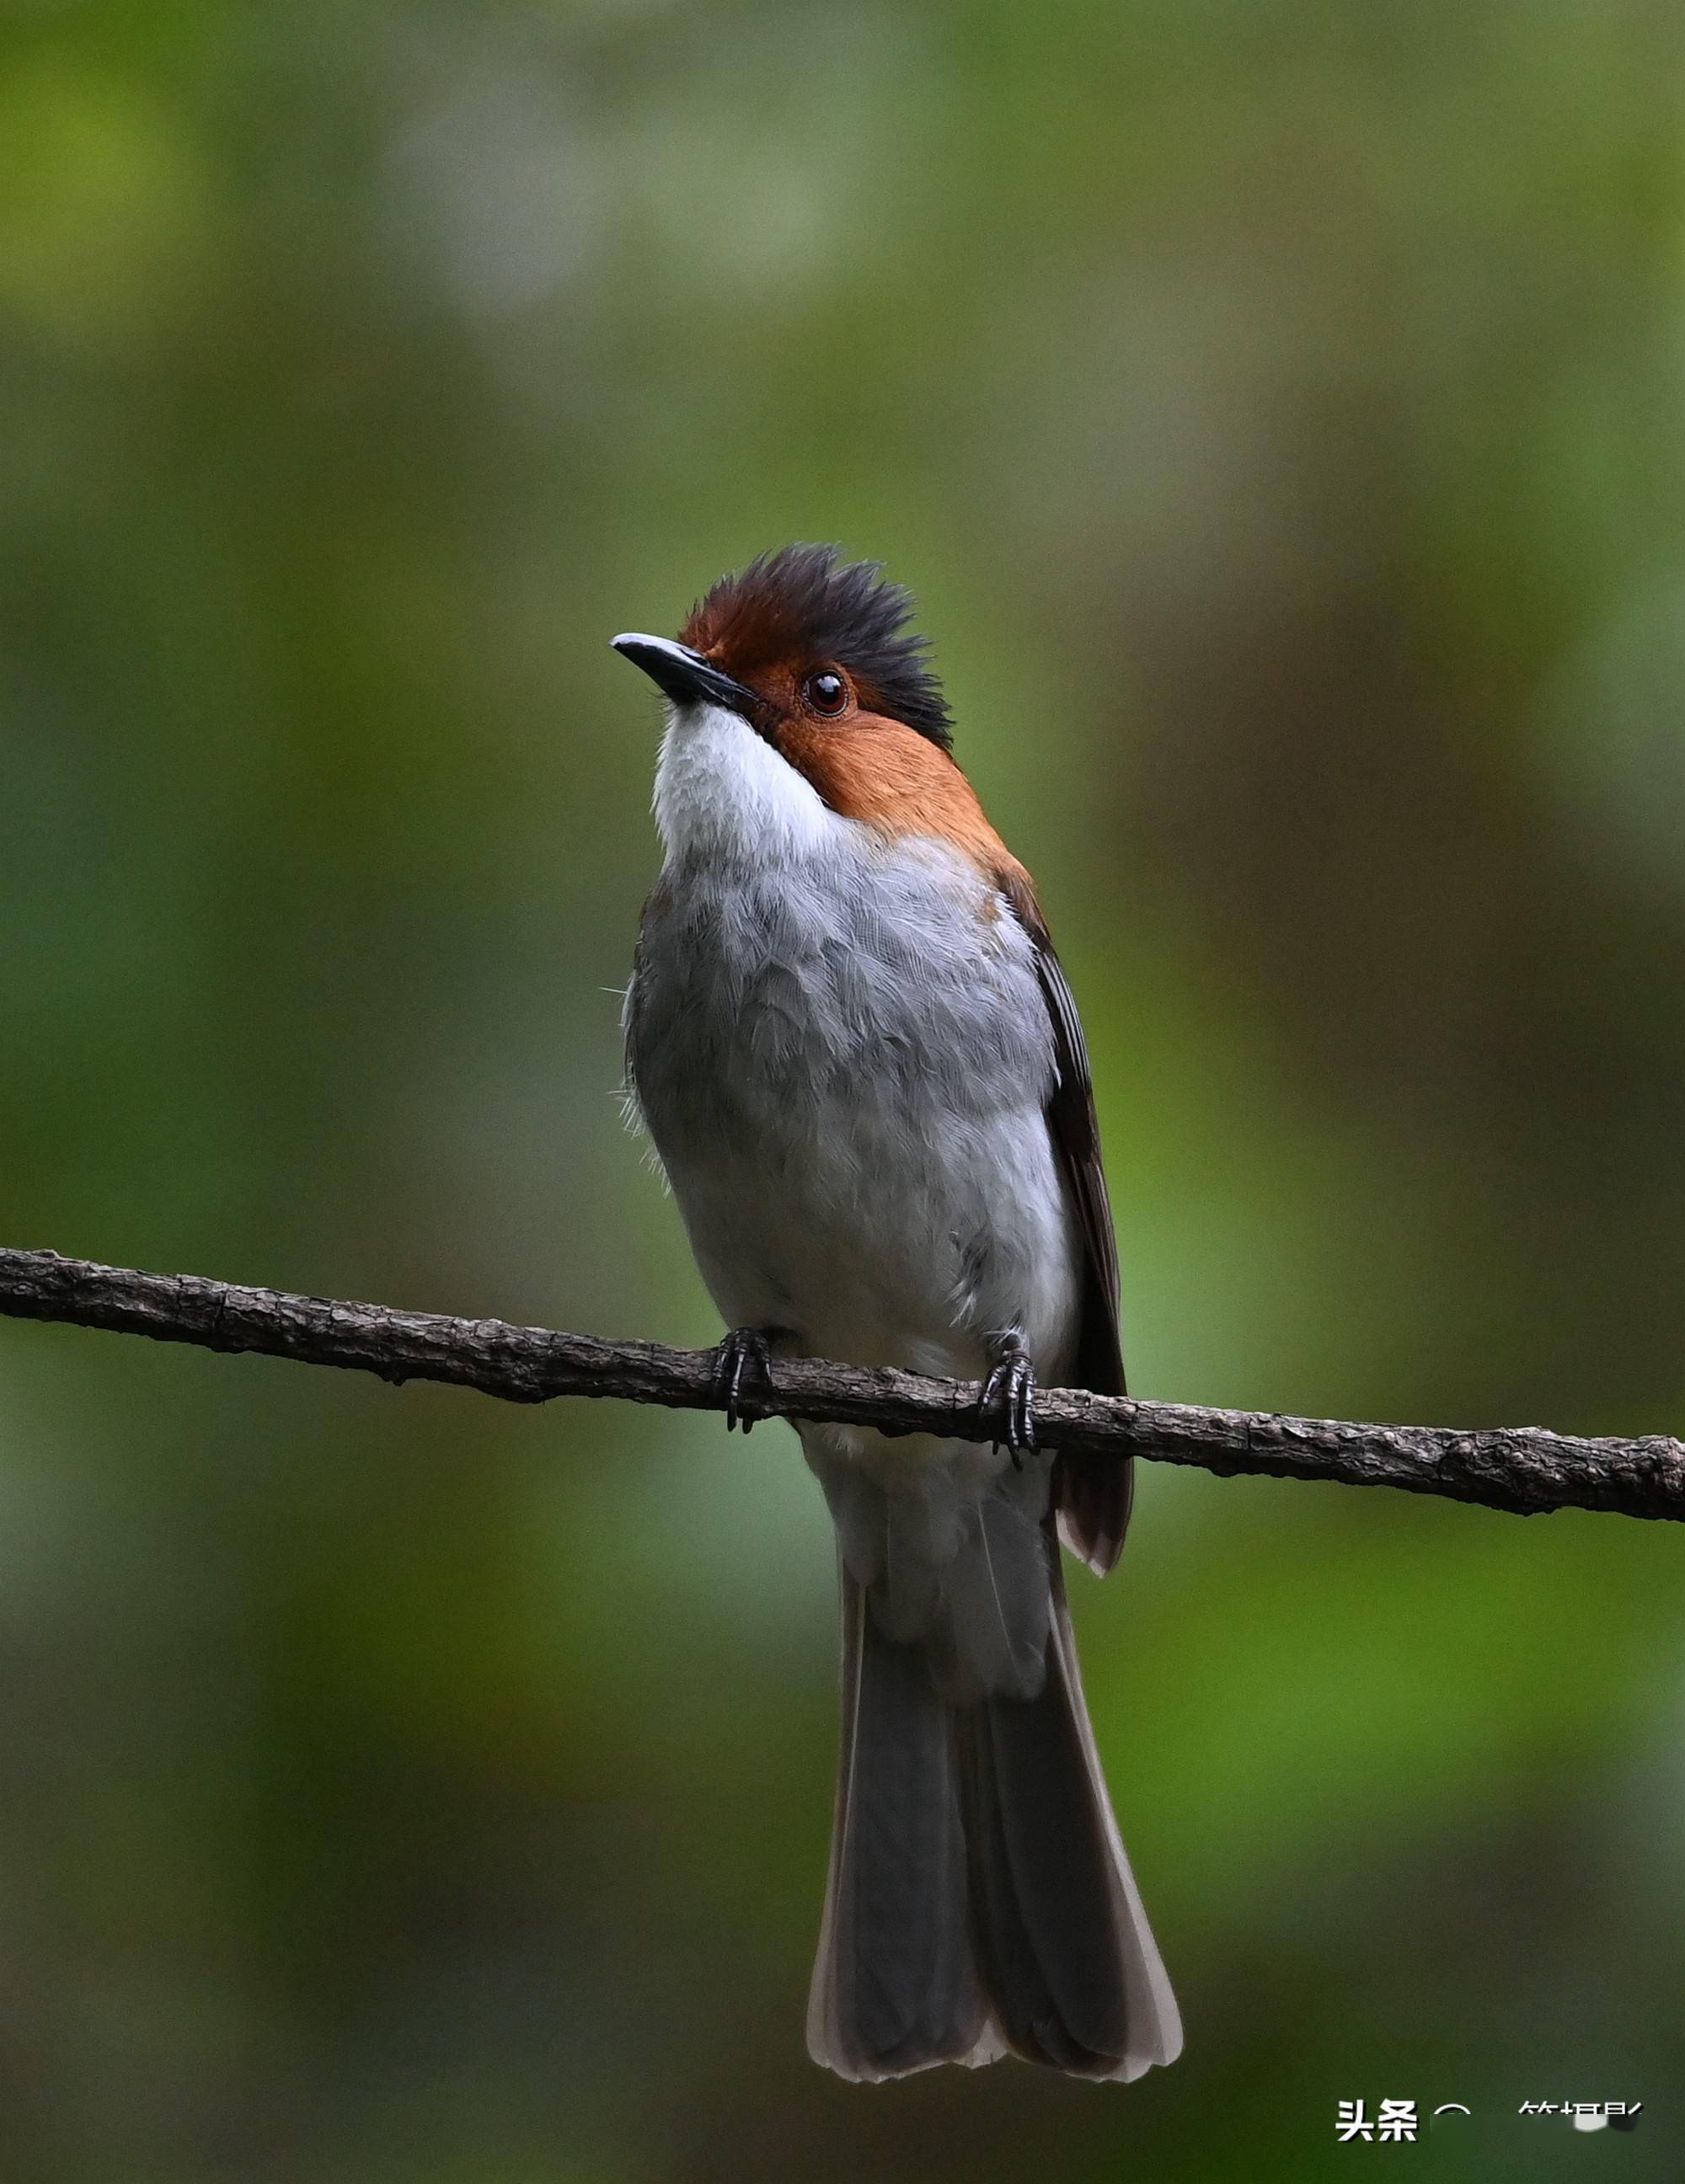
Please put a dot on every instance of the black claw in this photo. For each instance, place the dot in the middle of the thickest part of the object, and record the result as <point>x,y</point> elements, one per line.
<point>745,1348</point>
<point>1011,1389</point>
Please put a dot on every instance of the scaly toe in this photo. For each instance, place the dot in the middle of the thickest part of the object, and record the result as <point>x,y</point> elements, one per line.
<point>1010,1390</point>
<point>743,1347</point>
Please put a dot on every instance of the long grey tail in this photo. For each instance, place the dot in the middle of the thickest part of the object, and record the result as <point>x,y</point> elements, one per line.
<point>979,1901</point>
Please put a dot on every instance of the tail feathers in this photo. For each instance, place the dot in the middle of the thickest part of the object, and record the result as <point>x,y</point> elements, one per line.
<point>979,1901</point>
<point>962,1575</point>
<point>896,1986</point>
<point>993,1636</point>
<point>1068,1958</point>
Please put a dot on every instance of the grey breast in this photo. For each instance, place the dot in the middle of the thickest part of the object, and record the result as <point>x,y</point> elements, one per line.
<point>763,1000</point>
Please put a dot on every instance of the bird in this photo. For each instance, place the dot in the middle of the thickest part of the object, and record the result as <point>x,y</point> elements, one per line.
<point>861,1068</point>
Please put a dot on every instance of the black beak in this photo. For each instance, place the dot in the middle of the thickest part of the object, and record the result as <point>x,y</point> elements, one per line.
<point>684,675</point>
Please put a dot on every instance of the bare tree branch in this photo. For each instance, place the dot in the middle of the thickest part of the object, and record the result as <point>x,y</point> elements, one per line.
<point>1518,1468</point>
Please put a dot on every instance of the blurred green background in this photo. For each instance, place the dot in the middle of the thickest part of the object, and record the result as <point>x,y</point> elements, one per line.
<point>1276,409</point>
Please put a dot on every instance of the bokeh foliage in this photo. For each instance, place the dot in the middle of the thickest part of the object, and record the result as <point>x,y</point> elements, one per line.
<point>1275,407</point>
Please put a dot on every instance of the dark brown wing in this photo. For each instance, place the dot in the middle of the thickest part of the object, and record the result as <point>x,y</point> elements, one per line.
<point>1091,1493</point>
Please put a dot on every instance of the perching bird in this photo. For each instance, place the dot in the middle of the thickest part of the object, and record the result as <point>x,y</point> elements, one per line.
<point>862,1066</point>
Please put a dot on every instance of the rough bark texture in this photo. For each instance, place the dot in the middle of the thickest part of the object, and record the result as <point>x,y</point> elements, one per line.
<point>1522,1469</point>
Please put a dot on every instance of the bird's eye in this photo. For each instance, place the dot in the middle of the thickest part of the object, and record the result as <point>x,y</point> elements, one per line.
<point>826,693</point>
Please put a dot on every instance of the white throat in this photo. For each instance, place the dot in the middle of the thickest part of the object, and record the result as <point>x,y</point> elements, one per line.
<point>722,790</point>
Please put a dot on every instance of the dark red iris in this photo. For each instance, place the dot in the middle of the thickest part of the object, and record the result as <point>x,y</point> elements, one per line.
<point>826,693</point>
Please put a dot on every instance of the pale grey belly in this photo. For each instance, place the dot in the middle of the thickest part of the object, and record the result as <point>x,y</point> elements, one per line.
<point>846,1086</point>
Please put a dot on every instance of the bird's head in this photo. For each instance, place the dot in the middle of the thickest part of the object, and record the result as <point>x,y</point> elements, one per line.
<point>800,640</point>
<point>810,658</point>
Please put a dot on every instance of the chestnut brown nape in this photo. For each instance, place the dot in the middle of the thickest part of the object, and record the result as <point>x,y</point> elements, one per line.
<point>805,602</point>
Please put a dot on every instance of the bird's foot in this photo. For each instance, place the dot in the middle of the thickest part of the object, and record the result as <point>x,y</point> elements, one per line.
<point>1010,1389</point>
<point>745,1353</point>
